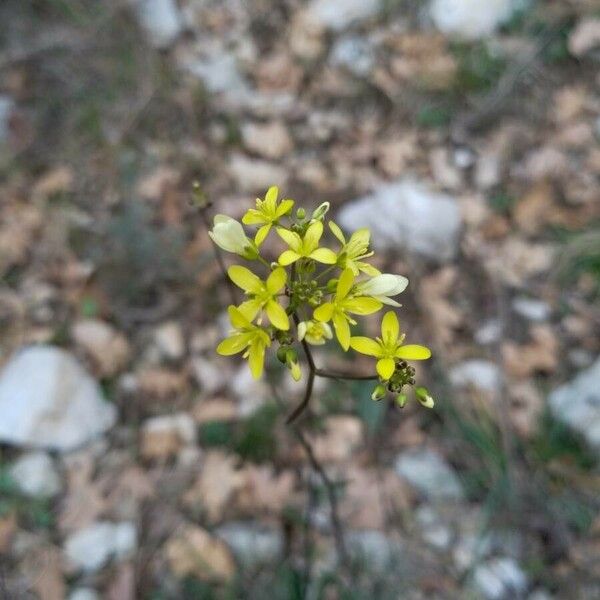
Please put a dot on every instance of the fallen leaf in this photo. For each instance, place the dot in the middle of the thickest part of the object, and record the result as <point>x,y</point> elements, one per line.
<point>208,411</point>
<point>535,209</point>
<point>264,491</point>
<point>343,434</point>
<point>539,355</point>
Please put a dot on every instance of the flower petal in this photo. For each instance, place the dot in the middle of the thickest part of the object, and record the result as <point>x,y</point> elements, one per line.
<point>390,328</point>
<point>359,242</point>
<point>261,234</point>
<point>237,318</point>
<point>365,345</point>
<point>244,278</point>
<point>324,255</point>
<point>362,305</point>
<point>413,352</point>
<point>288,257</point>
<point>284,208</point>
<point>335,229</point>
<point>271,198</point>
<point>276,280</point>
<point>253,217</point>
<point>291,238</point>
<point>324,312</point>
<point>250,308</point>
<point>342,330</point>
<point>312,236</point>
<point>368,269</point>
<point>256,358</point>
<point>277,315</point>
<point>344,284</point>
<point>386,367</point>
<point>234,344</point>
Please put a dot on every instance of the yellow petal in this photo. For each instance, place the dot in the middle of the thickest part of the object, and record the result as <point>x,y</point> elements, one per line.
<point>253,217</point>
<point>256,358</point>
<point>413,352</point>
<point>337,232</point>
<point>245,279</point>
<point>250,308</point>
<point>277,315</point>
<point>324,255</point>
<point>234,344</point>
<point>237,318</point>
<point>261,234</point>
<point>291,238</point>
<point>284,208</point>
<point>324,312</point>
<point>312,236</point>
<point>386,368</point>
<point>365,345</point>
<point>276,280</point>
<point>359,242</point>
<point>342,330</point>
<point>362,305</point>
<point>288,257</point>
<point>368,269</point>
<point>344,284</point>
<point>390,328</point>
<point>271,198</point>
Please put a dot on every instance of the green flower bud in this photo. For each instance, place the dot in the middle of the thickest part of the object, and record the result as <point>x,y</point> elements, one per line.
<point>424,398</point>
<point>282,354</point>
<point>378,393</point>
<point>332,285</point>
<point>401,400</point>
<point>320,212</point>
<point>300,213</point>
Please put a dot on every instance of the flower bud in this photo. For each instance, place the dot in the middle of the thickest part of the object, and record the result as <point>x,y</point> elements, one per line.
<point>378,393</point>
<point>320,212</point>
<point>401,400</point>
<point>424,398</point>
<point>332,285</point>
<point>282,354</point>
<point>300,213</point>
<point>296,371</point>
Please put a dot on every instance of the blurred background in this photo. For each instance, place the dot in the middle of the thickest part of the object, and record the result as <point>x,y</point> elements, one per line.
<point>135,462</point>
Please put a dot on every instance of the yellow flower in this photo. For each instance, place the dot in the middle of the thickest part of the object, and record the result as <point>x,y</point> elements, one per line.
<point>266,213</point>
<point>246,336</point>
<point>263,294</point>
<point>228,234</point>
<point>381,287</point>
<point>389,347</point>
<point>342,304</point>
<point>354,250</point>
<point>314,332</point>
<point>307,247</point>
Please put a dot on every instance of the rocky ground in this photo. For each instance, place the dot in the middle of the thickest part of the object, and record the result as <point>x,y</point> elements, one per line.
<point>135,462</point>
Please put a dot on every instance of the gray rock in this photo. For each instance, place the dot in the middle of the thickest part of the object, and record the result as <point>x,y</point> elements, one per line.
<point>531,309</point>
<point>220,74</point>
<point>252,544</point>
<point>407,215</point>
<point>489,333</point>
<point>482,374</point>
<point>427,472</point>
<point>434,531</point>
<point>161,21</point>
<point>377,549</point>
<point>353,53</point>
<point>500,578</point>
<point>48,401</point>
<point>577,405</point>
<point>35,475</point>
<point>6,107</point>
<point>470,19</point>
<point>84,594</point>
<point>340,14</point>
<point>91,548</point>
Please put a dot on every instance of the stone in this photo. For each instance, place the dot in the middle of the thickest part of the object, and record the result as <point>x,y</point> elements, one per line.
<point>107,347</point>
<point>482,374</point>
<point>84,593</point>
<point>252,544</point>
<point>353,53</point>
<point>434,531</point>
<point>470,19</point>
<point>219,73</point>
<point>7,106</point>
<point>164,436</point>
<point>585,36</point>
<point>374,547</point>
<point>170,340</point>
<point>254,175</point>
<point>577,405</point>
<point>342,436</point>
<point>407,215</point>
<point>209,374</point>
<point>338,15</point>
<point>161,20</point>
<point>268,140</point>
<point>426,471</point>
<point>91,548</point>
<point>35,475</point>
<point>531,309</point>
<point>47,400</point>
<point>500,578</point>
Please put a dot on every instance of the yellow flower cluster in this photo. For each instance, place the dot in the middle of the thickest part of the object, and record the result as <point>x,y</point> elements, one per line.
<point>309,287</point>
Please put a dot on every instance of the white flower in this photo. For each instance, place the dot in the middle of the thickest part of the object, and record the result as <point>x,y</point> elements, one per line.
<point>381,287</point>
<point>315,332</point>
<point>228,234</point>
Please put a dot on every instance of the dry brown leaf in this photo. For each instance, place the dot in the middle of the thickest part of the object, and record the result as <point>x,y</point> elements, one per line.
<point>262,490</point>
<point>122,587</point>
<point>8,527</point>
<point>161,383</point>
<point>343,434</point>
<point>57,181</point>
<point>535,209</point>
<point>526,406</point>
<point>194,551</point>
<point>214,488</point>
<point>539,355</point>
<point>44,568</point>
<point>444,317</point>
<point>207,411</point>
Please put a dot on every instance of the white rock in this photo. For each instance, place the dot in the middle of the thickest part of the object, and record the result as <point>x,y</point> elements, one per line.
<point>407,215</point>
<point>208,374</point>
<point>48,401</point>
<point>91,548</point>
<point>170,340</point>
<point>585,36</point>
<point>427,472</point>
<point>161,20</point>
<point>252,544</point>
<point>340,14</point>
<point>482,374</point>
<point>489,333</point>
<point>253,175</point>
<point>577,404</point>
<point>374,547</point>
<point>251,393</point>
<point>84,594</point>
<point>353,53</point>
<point>500,578</point>
<point>220,74</point>
<point>35,475</point>
<point>531,309</point>
<point>470,19</point>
